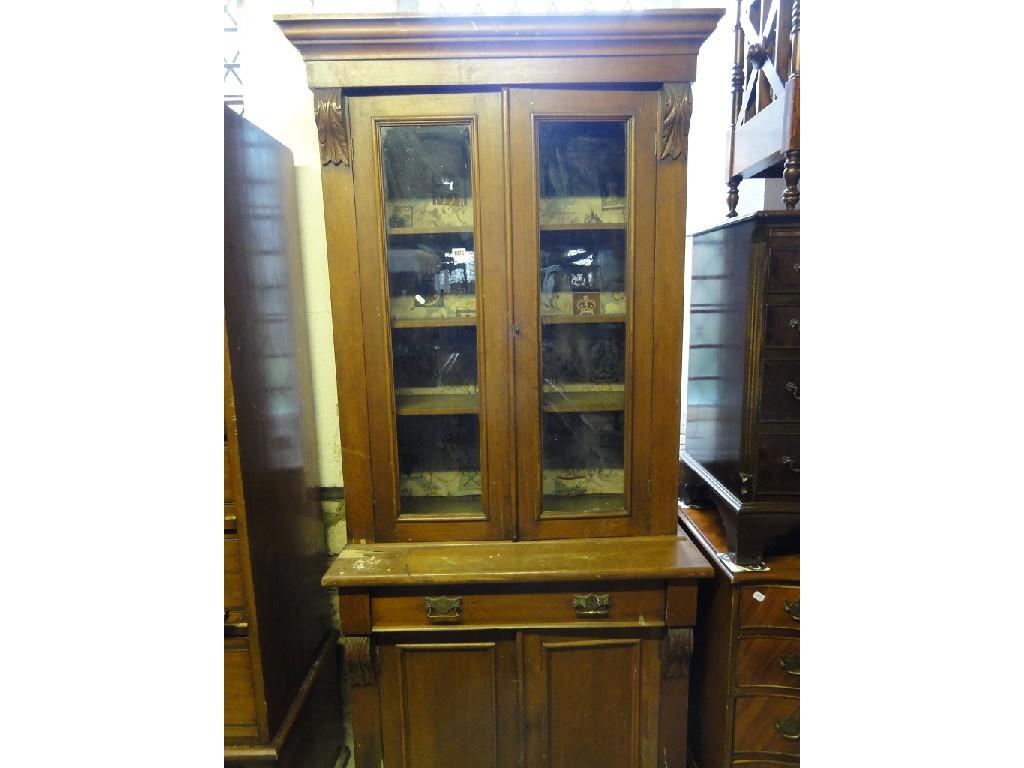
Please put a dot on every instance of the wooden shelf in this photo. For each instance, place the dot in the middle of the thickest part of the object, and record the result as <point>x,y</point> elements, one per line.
<point>435,322</point>
<point>428,231</point>
<point>440,506</point>
<point>441,404</point>
<point>573,319</point>
<point>585,504</point>
<point>579,402</point>
<point>579,227</point>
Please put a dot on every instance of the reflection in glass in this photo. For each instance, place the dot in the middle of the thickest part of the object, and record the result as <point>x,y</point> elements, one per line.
<point>432,294</point>
<point>583,235</point>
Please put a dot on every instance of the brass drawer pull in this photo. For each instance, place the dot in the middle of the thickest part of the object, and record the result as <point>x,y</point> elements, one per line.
<point>591,606</point>
<point>790,664</point>
<point>792,607</point>
<point>793,388</point>
<point>794,323</point>
<point>236,629</point>
<point>789,728</point>
<point>443,610</point>
<point>788,461</point>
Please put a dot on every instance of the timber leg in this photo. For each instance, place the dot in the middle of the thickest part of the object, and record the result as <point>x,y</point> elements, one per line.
<point>791,173</point>
<point>734,195</point>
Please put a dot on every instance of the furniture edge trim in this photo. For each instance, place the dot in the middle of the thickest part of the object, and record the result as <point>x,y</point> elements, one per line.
<point>270,752</point>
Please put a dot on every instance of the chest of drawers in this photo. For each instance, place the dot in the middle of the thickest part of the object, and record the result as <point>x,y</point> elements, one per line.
<point>742,444</point>
<point>745,693</point>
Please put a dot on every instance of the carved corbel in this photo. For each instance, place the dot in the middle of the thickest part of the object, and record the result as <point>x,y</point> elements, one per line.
<point>359,660</point>
<point>676,109</point>
<point>331,126</point>
<point>676,650</point>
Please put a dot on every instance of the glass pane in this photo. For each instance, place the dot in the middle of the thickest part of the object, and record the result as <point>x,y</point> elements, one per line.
<point>432,290</point>
<point>583,235</point>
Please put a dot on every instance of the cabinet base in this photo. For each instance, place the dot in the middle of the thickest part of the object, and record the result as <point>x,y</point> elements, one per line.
<point>312,732</point>
<point>753,529</point>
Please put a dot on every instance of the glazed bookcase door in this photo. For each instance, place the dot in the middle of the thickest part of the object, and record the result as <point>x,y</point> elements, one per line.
<point>431,236</point>
<point>583,184</point>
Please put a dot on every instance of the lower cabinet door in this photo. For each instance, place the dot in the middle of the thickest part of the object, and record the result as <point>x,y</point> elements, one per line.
<point>591,699</point>
<point>449,700</point>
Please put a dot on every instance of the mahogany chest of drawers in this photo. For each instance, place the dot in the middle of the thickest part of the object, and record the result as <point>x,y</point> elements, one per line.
<point>742,444</point>
<point>745,691</point>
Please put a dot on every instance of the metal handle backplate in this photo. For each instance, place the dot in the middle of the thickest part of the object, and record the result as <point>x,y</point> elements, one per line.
<point>789,728</point>
<point>443,610</point>
<point>792,607</point>
<point>788,461</point>
<point>591,606</point>
<point>790,664</point>
<point>793,388</point>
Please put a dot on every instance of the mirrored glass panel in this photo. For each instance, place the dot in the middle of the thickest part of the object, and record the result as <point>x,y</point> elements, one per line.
<point>583,235</point>
<point>432,293</point>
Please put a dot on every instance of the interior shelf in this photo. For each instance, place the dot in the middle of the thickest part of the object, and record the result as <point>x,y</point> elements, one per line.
<point>567,319</point>
<point>576,402</point>
<point>428,230</point>
<point>579,227</point>
<point>435,322</point>
<point>584,504</point>
<point>440,404</point>
<point>440,506</point>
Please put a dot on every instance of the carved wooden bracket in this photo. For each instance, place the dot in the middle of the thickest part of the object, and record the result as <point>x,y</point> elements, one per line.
<point>331,127</point>
<point>359,660</point>
<point>676,649</point>
<point>676,108</point>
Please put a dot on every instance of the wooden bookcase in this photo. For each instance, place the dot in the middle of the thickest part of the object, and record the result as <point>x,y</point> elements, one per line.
<point>504,203</point>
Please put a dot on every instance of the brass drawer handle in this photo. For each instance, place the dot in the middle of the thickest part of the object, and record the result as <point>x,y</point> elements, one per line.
<point>788,461</point>
<point>792,607</point>
<point>236,629</point>
<point>443,610</point>
<point>591,606</point>
<point>793,388</point>
<point>789,728</point>
<point>790,664</point>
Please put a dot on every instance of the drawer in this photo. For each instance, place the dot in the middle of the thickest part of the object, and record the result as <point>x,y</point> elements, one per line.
<point>782,326</point>
<point>239,691</point>
<point>229,490</point>
<point>770,606</point>
<point>783,270</point>
<point>780,391</point>
<point>778,464</point>
<point>234,588</point>
<point>767,724</point>
<point>708,326</point>
<point>559,605</point>
<point>773,661</point>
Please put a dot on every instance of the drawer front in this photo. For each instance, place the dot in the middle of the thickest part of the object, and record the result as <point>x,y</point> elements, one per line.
<point>541,606</point>
<point>770,607</point>
<point>778,464</point>
<point>783,270</point>
<point>234,588</point>
<point>772,661</point>
<point>782,326</point>
<point>780,391</point>
<point>239,691</point>
<point>767,724</point>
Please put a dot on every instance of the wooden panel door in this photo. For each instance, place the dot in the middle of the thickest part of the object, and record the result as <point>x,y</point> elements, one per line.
<point>432,265</point>
<point>583,170</point>
<point>591,699</point>
<point>449,701</point>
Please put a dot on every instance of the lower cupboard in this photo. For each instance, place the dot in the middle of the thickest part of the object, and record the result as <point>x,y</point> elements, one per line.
<point>536,698</point>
